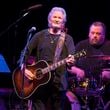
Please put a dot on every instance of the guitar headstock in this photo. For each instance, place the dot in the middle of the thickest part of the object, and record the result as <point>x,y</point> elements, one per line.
<point>80,54</point>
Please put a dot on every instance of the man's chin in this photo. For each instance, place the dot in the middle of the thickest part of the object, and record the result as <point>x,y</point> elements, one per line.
<point>94,42</point>
<point>56,26</point>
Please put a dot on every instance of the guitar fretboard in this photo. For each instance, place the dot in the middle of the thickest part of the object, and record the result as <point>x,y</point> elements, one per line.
<point>54,66</point>
<point>62,62</point>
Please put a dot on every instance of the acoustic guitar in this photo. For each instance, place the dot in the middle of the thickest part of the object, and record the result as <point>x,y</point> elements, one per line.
<point>24,87</point>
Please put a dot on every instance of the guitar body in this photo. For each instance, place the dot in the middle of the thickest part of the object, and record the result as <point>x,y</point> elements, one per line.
<point>24,87</point>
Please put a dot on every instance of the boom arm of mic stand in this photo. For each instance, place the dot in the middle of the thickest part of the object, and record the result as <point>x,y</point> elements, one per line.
<point>14,23</point>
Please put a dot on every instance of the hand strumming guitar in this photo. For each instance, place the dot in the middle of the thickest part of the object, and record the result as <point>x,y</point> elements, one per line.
<point>29,74</point>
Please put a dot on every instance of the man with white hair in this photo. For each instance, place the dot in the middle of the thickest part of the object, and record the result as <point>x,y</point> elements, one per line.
<point>43,46</point>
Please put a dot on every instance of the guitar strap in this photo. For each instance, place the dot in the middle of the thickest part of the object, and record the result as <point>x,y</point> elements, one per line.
<point>59,47</point>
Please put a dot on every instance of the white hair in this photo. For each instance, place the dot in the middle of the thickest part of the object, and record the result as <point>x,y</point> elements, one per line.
<point>57,9</point>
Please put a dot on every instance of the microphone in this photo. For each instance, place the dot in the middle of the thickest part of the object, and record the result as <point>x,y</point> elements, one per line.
<point>33,7</point>
<point>32,29</point>
<point>30,33</point>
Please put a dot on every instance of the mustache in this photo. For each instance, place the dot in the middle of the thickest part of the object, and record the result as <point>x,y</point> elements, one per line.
<point>58,22</point>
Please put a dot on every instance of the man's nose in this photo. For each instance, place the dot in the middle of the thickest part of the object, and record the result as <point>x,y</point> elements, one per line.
<point>95,35</point>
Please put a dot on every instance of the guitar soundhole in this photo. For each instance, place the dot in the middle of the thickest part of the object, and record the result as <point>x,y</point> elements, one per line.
<point>39,74</point>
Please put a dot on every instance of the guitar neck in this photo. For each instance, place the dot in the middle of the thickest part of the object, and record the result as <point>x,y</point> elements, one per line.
<point>54,66</point>
<point>62,62</point>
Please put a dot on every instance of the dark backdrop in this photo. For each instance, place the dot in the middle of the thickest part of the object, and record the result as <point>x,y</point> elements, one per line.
<point>13,31</point>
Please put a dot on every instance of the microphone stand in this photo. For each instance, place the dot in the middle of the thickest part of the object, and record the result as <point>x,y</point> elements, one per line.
<point>14,23</point>
<point>23,65</point>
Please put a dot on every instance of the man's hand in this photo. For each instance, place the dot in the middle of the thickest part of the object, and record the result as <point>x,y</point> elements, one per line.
<point>77,71</point>
<point>106,73</point>
<point>70,60</point>
<point>29,74</point>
